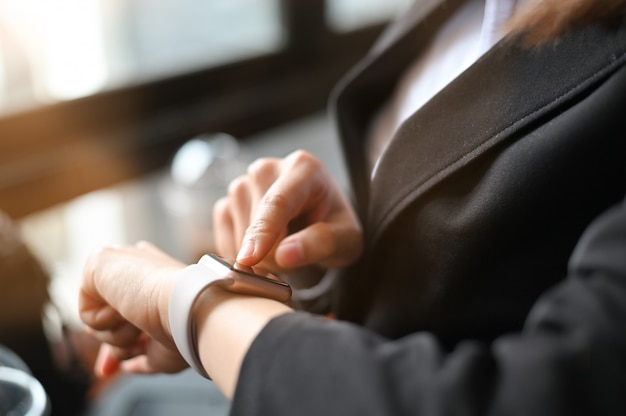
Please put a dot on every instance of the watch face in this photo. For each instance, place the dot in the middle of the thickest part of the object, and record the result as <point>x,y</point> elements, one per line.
<point>250,280</point>
<point>257,272</point>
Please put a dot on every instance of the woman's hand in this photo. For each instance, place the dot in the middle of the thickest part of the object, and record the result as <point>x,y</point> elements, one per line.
<point>123,300</point>
<point>287,213</point>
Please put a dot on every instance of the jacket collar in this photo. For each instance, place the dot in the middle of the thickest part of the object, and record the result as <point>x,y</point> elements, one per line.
<point>508,89</point>
<point>358,95</point>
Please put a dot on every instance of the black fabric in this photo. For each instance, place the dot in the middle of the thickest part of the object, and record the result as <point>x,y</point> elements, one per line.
<point>473,215</point>
<point>570,358</point>
<point>359,95</point>
<point>498,174</point>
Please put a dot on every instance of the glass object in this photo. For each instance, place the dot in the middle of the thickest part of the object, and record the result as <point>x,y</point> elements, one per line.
<point>20,393</point>
<point>347,15</point>
<point>200,173</point>
<point>64,49</point>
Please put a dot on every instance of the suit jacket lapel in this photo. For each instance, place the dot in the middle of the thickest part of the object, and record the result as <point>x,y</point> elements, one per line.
<point>490,104</point>
<point>357,97</point>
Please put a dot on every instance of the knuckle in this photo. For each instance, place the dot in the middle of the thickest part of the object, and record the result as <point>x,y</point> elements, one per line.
<point>92,267</point>
<point>306,164</point>
<point>260,227</point>
<point>220,207</point>
<point>238,186</point>
<point>303,158</point>
<point>276,202</point>
<point>95,258</point>
<point>262,167</point>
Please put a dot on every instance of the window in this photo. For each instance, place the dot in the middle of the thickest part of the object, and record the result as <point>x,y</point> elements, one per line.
<point>94,92</point>
<point>67,49</point>
<point>347,15</point>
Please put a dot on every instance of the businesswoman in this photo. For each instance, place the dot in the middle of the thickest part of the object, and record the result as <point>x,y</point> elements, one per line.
<point>482,138</point>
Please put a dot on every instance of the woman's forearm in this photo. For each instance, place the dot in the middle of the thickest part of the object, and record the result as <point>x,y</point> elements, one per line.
<point>227,324</point>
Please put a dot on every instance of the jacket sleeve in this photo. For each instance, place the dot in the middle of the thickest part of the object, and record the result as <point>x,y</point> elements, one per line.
<point>569,359</point>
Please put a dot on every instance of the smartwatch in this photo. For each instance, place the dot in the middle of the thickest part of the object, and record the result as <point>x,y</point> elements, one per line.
<point>212,269</point>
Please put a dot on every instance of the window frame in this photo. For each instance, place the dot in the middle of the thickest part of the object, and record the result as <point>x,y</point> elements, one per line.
<point>51,154</point>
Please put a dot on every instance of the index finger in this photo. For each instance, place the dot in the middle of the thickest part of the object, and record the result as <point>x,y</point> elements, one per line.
<point>298,189</point>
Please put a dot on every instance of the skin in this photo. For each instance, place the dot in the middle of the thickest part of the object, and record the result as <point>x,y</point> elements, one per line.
<point>284,213</point>
<point>254,220</point>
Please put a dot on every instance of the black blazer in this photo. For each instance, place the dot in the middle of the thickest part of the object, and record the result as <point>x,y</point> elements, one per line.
<point>569,359</point>
<point>483,193</point>
<point>476,208</point>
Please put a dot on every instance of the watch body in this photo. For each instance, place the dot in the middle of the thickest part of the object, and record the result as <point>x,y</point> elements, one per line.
<point>212,269</point>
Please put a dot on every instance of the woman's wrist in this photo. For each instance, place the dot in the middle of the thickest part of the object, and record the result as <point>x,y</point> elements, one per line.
<point>227,324</point>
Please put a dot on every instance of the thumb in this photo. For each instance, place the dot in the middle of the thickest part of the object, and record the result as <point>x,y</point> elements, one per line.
<point>327,244</point>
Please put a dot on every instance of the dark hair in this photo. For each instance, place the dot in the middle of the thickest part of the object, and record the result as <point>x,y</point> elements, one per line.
<point>542,21</point>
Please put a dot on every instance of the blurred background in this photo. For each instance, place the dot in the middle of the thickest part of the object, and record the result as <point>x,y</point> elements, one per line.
<point>123,120</point>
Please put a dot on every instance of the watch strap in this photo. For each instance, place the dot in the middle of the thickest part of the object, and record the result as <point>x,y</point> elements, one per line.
<point>194,280</point>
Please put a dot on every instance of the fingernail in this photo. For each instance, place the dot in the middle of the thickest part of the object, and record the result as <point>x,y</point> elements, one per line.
<point>247,250</point>
<point>106,364</point>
